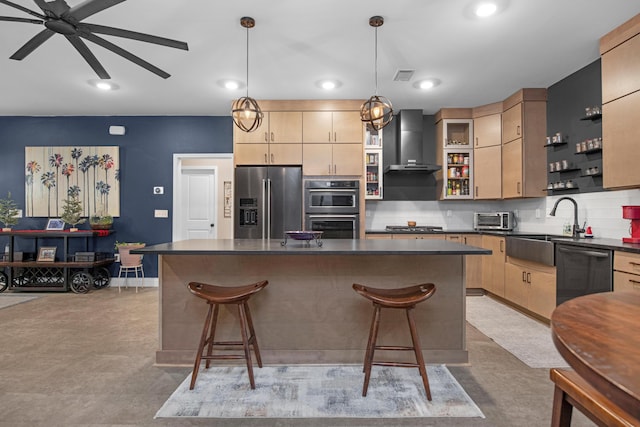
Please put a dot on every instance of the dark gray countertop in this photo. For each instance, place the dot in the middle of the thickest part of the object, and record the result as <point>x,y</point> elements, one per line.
<point>329,247</point>
<point>596,243</point>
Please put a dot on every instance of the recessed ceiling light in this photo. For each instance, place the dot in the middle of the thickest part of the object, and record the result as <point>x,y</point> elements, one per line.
<point>484,10</point>
<point>426,84</point>
<point>328,84</point>
<point>104,85</point>
<point>231,85</point>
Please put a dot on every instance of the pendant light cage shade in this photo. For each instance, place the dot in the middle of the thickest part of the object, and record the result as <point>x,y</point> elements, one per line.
<point>245,111</point>
<point>246,114</point>
<point>376,112</point>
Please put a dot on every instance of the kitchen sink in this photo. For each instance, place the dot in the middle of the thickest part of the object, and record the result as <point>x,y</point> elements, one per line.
<point>532,247</point>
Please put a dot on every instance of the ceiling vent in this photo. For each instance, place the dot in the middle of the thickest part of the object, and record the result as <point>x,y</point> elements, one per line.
<point>403,75</point>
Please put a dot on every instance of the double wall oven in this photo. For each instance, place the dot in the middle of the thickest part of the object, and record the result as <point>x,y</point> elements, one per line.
<point>333,207</point>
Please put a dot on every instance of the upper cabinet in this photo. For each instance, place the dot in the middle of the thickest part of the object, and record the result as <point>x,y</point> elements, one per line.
<point>454,149</point>
<point>487,151</point>
<point>277,127</point>
<point>332,127</point>
<point>524,126</point>
<point>620,50</point>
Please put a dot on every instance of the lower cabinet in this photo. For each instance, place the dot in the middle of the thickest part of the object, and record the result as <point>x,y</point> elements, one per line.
<point>626,271</point>
<point>530,285</point>
<point>473,263</point>
<point>377,236</point>
<point>493,265</point>
<point>418,236</point>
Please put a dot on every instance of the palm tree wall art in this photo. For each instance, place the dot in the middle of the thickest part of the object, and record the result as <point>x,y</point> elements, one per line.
<point>54,174</point>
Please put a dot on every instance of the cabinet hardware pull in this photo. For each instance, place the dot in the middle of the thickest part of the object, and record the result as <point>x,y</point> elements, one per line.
<point>335,170</point>
<point>329,169</point>
<point>518,130</point>
<point>476,140</point>
<point>518,187</point>
<point>529,278</point>
<point>476,191</point>
<point>501,243</point>
<point>265,158</point>
<point>524,276</point>
<point>634,263</point>
<point>272,137</point>
<point>272,158</point>
<point>266,137</point>
<point>329,136</point>
<point>335,136</point>
<point>465,240</point>
<point>634,281</point>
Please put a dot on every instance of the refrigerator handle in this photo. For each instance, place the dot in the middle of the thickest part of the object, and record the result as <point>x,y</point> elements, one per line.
<point>268,212</point>
<point>264,212</point>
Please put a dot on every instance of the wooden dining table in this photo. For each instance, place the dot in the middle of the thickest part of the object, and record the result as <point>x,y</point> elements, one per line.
<point>599,337</point>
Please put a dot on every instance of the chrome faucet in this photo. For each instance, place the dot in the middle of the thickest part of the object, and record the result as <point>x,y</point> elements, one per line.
<point>576,227</point>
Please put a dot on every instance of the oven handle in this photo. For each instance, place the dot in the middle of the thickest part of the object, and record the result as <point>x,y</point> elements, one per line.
<point>332,216</point>
<point>588,253</point>
<point>332,190</point>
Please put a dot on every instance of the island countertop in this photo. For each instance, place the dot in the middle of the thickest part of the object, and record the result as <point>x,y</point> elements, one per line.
<point>297,247</point>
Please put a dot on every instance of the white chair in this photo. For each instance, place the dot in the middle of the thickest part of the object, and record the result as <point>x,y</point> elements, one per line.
<point>133,264</point>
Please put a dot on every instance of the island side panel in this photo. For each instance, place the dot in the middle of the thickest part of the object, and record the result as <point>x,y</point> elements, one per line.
<point>309,313</point>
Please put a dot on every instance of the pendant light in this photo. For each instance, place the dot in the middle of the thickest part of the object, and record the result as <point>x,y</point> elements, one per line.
<point>377,111</point>
<point>245,111</point>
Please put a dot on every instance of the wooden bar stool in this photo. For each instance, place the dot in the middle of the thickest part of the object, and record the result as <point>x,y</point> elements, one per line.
<point>405,298</point>
<point>215,296</point>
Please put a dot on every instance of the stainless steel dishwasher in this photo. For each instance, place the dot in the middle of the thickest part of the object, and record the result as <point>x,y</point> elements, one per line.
<point>582,270</point>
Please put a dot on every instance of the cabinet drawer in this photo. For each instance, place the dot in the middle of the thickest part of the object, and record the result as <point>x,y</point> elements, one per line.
<point>625,282</point>
<point>626,261</point>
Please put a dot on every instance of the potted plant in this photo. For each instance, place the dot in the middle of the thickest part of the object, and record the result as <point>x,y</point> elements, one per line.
<point>8,212</point>
<point>72,212</point>
<point>126,258</point>
<point>100,221</point>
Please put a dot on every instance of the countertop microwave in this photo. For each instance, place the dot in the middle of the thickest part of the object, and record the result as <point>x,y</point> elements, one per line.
<point>494,221</point>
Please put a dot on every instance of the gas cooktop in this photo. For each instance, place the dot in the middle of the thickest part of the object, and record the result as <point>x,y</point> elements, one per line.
<point>416,229</point>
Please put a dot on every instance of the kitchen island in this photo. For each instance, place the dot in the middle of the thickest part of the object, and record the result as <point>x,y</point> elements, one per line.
<point>309,313</point>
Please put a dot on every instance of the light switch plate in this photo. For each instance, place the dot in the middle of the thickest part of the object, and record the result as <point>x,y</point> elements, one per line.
<point>158,190</point>
<point>161,213</point>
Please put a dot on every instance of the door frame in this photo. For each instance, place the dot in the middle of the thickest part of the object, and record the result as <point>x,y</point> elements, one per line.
<point>178,159</point>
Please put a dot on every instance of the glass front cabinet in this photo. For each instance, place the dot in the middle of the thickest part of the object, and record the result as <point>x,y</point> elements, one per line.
<point>457,161</point>
<point>373,163</point>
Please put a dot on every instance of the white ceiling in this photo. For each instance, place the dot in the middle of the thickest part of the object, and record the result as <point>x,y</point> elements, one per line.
<point>531,43</point>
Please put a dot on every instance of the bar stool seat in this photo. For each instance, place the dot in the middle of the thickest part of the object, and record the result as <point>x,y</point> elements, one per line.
<point>215,296</point>
<point>402,298</point>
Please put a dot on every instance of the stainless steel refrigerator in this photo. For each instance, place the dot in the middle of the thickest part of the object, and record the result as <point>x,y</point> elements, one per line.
<point>268,201</point>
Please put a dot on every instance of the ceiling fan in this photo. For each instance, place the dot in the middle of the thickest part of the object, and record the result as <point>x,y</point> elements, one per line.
<point>58,17</point>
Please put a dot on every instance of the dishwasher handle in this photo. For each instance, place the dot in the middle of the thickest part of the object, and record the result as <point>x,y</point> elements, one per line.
<point>594,254</point>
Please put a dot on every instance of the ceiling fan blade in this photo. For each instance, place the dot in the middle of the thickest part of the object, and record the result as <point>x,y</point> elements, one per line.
<point>125,54</point>
<point>83,50</point>
<point>24,9</point>
<point>54,8</point>
<point>91,7</point>
<point>32,44</point>
<point>12,19</point>
<point>118,32</point>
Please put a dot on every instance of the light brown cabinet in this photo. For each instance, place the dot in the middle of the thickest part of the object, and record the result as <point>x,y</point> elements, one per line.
<point>626,271</point>
<point>331,127</point>
<point>531,286</point>
<point>487,130</point>
<point>473,263</point>
<point>280,127</point>
<point>487,169</point>
<point>418,236</point>
<point>268,154</point>
<point>332,159</point>
<point>524,159</point>
<point>493,265</point>
<point>377,236</point>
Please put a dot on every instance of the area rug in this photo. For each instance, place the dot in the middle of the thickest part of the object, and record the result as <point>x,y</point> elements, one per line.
<point>9,300</point>
<point>310,391</point>
<point>525,338</point>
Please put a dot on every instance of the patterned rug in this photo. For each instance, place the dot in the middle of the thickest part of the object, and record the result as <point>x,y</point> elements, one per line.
<point>527,339</point>
<point>10,299</point>
<point>310,391</point>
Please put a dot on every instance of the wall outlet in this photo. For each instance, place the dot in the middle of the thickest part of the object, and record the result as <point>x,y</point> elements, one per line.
<point>117,257</point>
<point>537,213</point>
<point>449,213</point>
<point>158,190</point>
<point>161,213</point>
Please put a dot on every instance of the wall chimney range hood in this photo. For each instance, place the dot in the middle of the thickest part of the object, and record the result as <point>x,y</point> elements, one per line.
<point>409,146</point>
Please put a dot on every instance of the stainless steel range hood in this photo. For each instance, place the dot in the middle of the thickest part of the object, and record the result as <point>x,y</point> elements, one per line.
<point>409,149</point>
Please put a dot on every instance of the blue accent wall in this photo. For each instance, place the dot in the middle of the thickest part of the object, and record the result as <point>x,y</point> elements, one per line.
<point>146,160</point>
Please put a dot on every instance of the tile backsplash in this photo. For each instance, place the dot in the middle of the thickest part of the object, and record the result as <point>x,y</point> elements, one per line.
<point>601,210</point>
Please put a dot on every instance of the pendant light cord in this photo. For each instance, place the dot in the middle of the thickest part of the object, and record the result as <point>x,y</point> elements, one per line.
<point>247,62</point>
<point>375,60</point>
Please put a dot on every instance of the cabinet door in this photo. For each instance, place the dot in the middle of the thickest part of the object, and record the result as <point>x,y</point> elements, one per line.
<point>260,135</point>
<point>285,154</point>
<point>347,127</point>
<point>317,127</point>
<point>487,172</point>
<point>512,169</point>
<point>378,236</point>
<point>317,159</point>
<point>493,265</point>
<point>512,123</point>
<point>621,70</point>
<point>515,284</point>
<point>620,138</point>
<point>347,159</point>
<point>251,154</point>
<point>542,293</point>
<point>625,282</point>
<point>285,127</point>
<point>473,262</point>
<point>410,236</point>
<point>487,131</point>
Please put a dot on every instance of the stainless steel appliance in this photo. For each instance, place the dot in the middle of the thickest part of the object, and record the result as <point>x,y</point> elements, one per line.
<point>268,201</point>
<point>582,271</point>
<point>415,229</point>
<point>333,207</point>
<point>494,221</point>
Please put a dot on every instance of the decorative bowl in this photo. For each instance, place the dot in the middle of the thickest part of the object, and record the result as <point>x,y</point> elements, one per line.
<point>411,223</point>
<point>304,235</point>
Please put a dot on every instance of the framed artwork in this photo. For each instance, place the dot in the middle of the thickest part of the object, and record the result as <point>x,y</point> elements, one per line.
<point>47,254</point>
<point>54,174</point>
<point>55,224</point>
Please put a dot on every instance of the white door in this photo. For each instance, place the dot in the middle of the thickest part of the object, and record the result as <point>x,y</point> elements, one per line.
<point>198,204</point>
